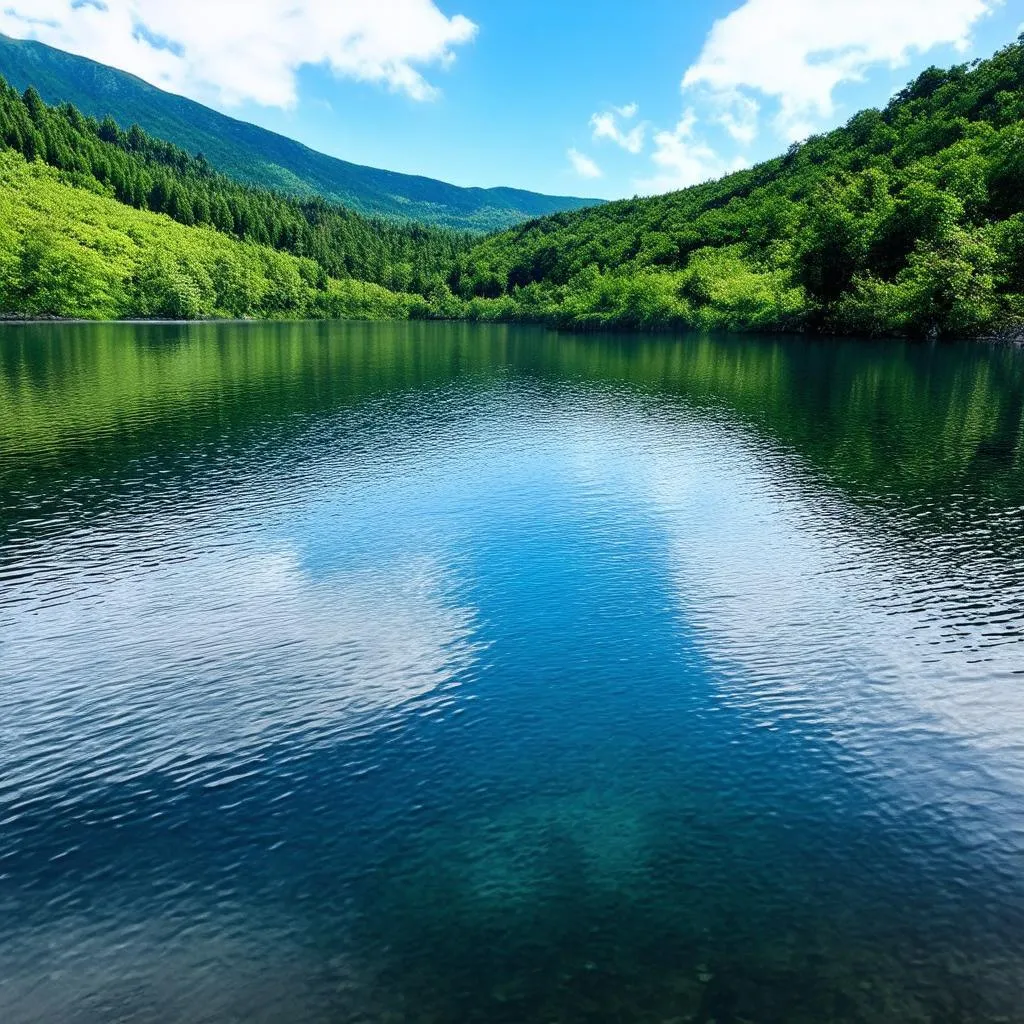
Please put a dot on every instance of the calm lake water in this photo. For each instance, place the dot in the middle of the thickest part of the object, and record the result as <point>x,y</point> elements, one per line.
<point>432,673</point>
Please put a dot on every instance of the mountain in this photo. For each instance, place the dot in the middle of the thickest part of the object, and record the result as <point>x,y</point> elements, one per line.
<point>154,176</point>
<point>907,220</point>
<point>257,156</point>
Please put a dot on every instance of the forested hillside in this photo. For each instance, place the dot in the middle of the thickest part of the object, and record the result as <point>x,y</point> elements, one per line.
<point>67,251</point>
<point>149,174</point>
<point>908,220</point>
<point>254,155</point>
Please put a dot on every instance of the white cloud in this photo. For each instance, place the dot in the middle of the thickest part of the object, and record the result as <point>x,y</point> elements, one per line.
<point>798,52</point>
<point>606,126</point>
<point>738,115</point>
<point>683,159</point>
<point>794,53</point>
<point>233,51</point>
<point>583,165</point>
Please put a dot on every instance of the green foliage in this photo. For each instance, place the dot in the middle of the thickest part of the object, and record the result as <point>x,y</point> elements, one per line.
<point>55,276</point>
<point>907,220</point>
<point>149,174</point>
<point>638,301</point>
<point>947,288</point>
<point>69,252</point>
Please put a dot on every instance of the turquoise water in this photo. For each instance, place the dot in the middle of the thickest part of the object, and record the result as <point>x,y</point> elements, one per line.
<point>438,673</point>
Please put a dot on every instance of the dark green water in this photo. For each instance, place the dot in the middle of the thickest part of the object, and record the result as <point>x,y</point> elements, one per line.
<point>430,673</point>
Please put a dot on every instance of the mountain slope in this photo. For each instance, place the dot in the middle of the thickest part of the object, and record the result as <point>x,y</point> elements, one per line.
<point>151,174</point>
<point>907,220</point>
<point>257,156</point>
<point>70,252</point>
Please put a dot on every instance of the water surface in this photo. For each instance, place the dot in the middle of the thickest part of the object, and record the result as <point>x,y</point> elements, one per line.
<point>433,673</point>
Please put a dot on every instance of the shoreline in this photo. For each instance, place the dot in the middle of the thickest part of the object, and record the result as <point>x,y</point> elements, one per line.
<point>1010,337</point>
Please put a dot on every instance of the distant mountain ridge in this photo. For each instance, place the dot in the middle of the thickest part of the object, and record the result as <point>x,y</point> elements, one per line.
<point>255,155</point>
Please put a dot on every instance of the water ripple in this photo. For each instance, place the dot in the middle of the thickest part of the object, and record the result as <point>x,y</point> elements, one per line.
<point>439,673</point>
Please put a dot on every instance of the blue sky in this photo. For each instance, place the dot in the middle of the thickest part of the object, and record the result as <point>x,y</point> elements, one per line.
<point>596,98</point>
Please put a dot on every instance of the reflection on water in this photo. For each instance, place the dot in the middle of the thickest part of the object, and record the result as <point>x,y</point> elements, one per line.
<point>442,673</point>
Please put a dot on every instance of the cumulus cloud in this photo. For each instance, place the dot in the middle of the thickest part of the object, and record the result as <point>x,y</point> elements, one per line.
<point>583,165</point>
<point>683,159</point>
<point>606,126</point>
<point>788,56</point>
<point>233,51</point>
<point>738,114</point>
<point>798,53</point>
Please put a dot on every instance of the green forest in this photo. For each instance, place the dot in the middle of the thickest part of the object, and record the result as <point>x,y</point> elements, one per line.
<point>149,174</point>
<point>70,252</point>
<point>906,221</point>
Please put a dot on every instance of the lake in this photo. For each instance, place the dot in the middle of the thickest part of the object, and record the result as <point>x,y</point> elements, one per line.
<point>451,673</point>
